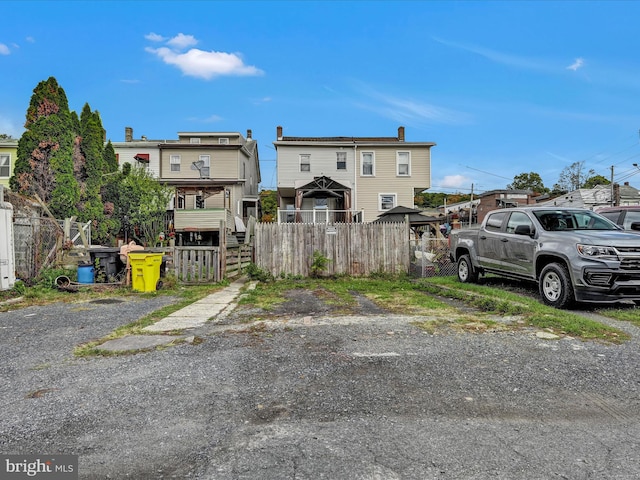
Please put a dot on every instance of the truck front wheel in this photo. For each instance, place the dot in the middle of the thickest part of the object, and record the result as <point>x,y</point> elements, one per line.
<point>555,286</point>
<point>466,272</point>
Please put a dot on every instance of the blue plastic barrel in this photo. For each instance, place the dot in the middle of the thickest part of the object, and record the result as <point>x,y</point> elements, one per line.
<point>85,273</point>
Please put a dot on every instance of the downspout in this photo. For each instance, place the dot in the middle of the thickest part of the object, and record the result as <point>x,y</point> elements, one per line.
<point>354,194</point>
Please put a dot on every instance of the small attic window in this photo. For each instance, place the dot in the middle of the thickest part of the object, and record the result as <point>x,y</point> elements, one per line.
<point>223,141</point>
<point>194,140</point>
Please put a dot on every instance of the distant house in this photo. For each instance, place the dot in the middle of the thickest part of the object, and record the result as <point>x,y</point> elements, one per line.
<point>348,179</point>
<point>625,194</point>
<point>215,176</point>
<point>8,155</point>
<point>495,199</point>
<point>590,198</point>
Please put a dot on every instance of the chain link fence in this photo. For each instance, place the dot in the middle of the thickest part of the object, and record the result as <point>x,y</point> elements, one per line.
<point>430,257</point>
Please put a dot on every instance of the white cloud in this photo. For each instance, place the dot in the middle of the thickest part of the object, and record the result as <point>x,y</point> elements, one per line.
<point>576,65</point>
<point>131,81</point>
<point>154,37</point>
<point>213,119</point>
<point>182,41</point>
<point>30,39</point>
<point>454,181</point>
<point>499,57</point>
<point>200,63</point>
<point>409,111</point>
<point>4,50</point>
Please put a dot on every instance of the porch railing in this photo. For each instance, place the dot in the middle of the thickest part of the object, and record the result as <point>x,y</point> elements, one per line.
<point>319,215</point>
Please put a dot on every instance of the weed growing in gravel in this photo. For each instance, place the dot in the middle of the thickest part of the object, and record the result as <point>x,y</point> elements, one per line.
<point>533,312</point>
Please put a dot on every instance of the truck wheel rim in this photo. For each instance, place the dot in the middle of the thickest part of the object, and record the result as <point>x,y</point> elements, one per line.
<point>463,270</point>
<point>551,286</point>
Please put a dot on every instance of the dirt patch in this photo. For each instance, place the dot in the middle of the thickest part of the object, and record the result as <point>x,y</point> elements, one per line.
<point>306,302</point>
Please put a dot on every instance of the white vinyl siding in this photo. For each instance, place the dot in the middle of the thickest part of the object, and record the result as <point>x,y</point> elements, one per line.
<point>305,162</point>
<point>5,165</point>
<point>175,163</point>
<point>403,162</point>
<point>368,164</point>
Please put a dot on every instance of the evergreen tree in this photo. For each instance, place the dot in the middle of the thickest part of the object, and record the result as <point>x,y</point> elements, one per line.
<point>109,160</point>
<point>90,176</point>
<point>44,164</point>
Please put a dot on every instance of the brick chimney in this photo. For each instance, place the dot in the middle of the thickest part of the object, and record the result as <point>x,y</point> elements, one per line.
<point>279,133</point>
<point>401,134</point>
<point>128,134</point>
<point>248,133</point>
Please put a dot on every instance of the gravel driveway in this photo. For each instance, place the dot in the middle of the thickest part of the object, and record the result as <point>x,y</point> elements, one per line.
<point>312,396</point>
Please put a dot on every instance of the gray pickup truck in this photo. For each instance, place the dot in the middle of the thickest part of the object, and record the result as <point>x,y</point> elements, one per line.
<point>574,255</point>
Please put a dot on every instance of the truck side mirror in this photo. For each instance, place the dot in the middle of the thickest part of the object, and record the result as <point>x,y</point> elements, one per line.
<point>523,230</point>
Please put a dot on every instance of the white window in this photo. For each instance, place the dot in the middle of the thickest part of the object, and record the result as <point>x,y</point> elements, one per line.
<point>223,141</point>
<point>206,165</point>
<point>368,164</point>
<point>174,160</point>
<point>387,201</point>
<point>5,164</point>
<point>194,140</point>
<point>403,161</point>
<point>180,202</point>
<point>341,160</point>
<point>305,163</point>
<point>199,202</point>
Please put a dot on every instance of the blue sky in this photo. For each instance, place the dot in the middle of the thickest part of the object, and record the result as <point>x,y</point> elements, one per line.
<point>502,87</point>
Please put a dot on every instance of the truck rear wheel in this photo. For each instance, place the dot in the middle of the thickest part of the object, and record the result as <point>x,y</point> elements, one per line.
<point>466,272</point>
<point>555,286</point>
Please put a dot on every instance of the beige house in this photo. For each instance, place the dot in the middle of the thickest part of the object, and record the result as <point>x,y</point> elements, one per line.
<point>215,176</point>
<point>348,179</point>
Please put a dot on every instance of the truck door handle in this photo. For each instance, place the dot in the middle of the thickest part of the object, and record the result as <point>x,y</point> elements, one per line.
<point>504,240</point>
<point>483,237</point>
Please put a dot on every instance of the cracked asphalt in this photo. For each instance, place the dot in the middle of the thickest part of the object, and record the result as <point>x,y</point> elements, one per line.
<point>314,395</point>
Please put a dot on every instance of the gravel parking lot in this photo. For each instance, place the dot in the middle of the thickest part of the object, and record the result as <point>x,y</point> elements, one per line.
<point>309,395</point>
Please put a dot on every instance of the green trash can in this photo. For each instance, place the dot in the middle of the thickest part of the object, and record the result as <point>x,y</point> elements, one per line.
<point>145,271</point>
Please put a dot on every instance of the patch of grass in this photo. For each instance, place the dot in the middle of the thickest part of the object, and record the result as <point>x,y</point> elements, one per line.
<point>629,314</point>
<point>532,312</point>
<point>188,295</point>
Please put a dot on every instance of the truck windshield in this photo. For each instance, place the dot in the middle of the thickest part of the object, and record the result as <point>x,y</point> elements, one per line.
<point>554,220</point>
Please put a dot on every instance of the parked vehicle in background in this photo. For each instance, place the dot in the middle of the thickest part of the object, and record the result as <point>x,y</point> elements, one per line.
<point>628,217</point>
<point>575,255</point>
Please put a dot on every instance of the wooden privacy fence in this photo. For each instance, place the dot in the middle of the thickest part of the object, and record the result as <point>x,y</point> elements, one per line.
<point>355,249</point>
<point>237,258</point>
<point>197,264</point>
<point>209,264</point>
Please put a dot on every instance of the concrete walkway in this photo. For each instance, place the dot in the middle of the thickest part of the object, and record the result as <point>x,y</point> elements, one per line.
<point>211,308</point>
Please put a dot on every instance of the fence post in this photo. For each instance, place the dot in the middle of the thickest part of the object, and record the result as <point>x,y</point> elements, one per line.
<point>223,249</point>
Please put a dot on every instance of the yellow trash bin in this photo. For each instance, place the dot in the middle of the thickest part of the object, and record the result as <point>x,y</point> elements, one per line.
<point>145,271</point>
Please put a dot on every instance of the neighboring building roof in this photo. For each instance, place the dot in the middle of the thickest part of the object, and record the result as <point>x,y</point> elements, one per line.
<point>399,214</point>
<point>282,140</point>
<point>505,192</point>
<point>582,198</point>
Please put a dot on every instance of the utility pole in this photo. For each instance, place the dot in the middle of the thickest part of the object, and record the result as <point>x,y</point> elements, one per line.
<point>471,207</point>
<point>613,202</point>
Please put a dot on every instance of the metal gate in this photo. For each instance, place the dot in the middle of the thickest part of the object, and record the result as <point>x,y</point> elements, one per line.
<point>430,257</point>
